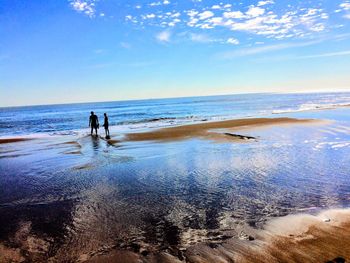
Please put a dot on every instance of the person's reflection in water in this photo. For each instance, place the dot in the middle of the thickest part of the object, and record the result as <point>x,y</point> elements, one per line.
<point>95,144</point>
<point>93,122</point>
<point>106,125</point>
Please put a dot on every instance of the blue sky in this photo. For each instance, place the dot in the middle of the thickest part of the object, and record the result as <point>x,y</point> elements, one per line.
<point>78,51</point>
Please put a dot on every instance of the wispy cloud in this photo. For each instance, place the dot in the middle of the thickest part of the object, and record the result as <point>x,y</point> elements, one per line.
<point>163,36</point>
<point>202,38</point>
<point>263,49</point>
<point>325,55</point>
<point>125,45</point>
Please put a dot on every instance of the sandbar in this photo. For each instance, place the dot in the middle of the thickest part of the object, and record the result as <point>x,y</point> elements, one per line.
<point>206,130</point>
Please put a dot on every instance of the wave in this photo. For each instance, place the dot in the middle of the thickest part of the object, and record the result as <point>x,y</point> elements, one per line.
<point>146,120</point>
<point>312,106</point>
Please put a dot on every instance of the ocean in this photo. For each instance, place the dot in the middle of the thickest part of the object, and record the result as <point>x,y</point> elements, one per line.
<point>69,119</point>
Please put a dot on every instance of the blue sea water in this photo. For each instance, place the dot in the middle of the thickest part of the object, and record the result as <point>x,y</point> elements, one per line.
<point>73,118</point>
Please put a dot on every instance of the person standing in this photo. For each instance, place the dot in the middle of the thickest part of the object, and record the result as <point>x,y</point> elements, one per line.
<point>93,122</point>
<point>106,125</point>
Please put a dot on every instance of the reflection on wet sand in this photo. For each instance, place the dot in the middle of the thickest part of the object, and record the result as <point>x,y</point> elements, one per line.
<point>181,201</point>
<point>297,238</point>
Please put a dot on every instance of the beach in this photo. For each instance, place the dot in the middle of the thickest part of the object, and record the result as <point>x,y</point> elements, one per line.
<point>270,188</point>
<point>207,130</point>
<point>174,131</point>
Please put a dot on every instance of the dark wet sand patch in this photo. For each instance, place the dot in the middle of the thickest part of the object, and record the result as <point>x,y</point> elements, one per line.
<point>14,155</point>
<point>113,142</point>
<point>83,166</point>
<point>73,152</point>
<point>241,137</point>
<point>72,143</point>
<point>12,140</point>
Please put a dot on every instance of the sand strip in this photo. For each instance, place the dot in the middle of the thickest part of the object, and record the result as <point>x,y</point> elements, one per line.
<point>11,140</point>
<point>204,130</point>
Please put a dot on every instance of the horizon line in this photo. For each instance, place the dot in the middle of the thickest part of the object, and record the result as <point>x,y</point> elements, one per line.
<point>179,97</point>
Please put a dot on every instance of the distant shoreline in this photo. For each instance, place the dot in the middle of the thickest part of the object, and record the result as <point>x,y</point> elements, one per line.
<point>169,98</point>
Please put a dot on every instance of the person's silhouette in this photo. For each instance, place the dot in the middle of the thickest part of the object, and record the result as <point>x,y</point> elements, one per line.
<point>93,122</point>
<point>106,125</point>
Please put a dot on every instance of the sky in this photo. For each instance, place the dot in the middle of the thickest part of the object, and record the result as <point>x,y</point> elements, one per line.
<point>63,51</point>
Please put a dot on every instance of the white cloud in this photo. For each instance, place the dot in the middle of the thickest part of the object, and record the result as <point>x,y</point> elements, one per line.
<point>163,36</point>
<point>345,6</point>
<point>155,3</point>
<point>205,15</point>
<point>233,41</point>
<point>254,11</point>
<point>295,22</point>
<point>234,14</point>
<point>85,7</point>
<point>165,2</point>
<point>174,22</point>
<point>267,2</point>
<point>149,16</point>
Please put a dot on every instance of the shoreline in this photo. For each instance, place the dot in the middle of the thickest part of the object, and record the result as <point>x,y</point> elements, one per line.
<point>212,130</point>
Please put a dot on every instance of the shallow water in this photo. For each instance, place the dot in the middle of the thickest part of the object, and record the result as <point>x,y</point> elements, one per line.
<point>73,196</point>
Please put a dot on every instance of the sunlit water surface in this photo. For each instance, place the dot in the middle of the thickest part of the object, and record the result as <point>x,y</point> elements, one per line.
<point>79,195</point>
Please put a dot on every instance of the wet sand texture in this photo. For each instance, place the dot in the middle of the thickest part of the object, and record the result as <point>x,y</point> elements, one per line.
<point>203,130</point>
<point>294,238</point>
<point>11,140</point>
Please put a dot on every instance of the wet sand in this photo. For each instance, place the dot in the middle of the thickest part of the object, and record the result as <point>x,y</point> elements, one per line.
<point>11,140</point>
<point>295,238</point>
<point>205,130</point>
